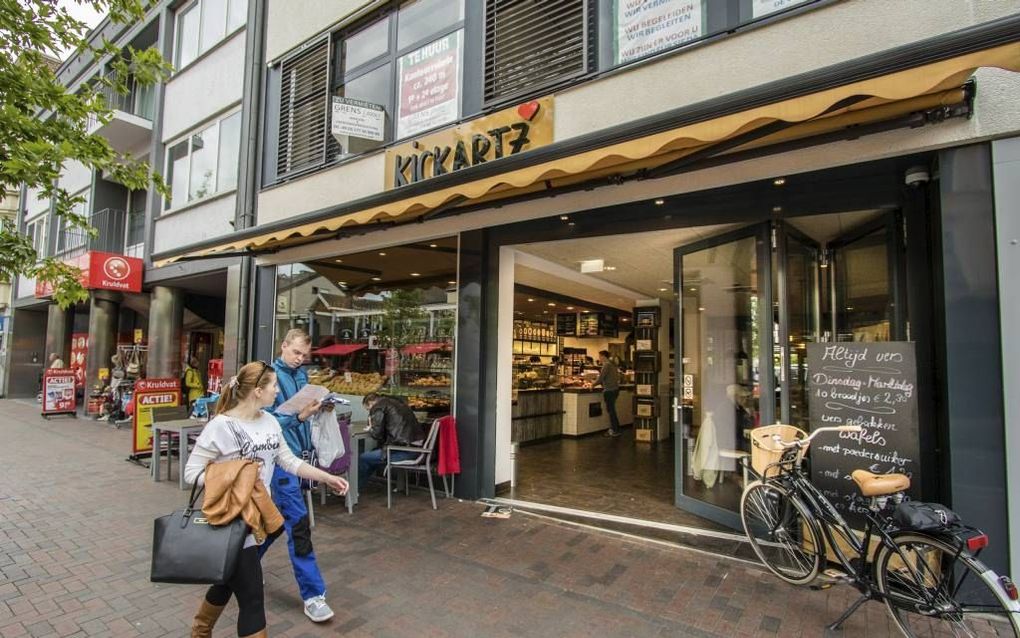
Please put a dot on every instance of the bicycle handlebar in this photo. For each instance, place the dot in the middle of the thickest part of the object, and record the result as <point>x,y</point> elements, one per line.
<point>807,441</point>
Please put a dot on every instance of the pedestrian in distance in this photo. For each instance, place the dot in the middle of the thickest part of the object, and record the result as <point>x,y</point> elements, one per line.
<point>193,382</point>
<point>286,488</point>
<point>609,379</point>
<point>242,429</point>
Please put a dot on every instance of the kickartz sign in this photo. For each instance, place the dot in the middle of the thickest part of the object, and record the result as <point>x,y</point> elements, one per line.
<point>103,271</point>
<point>508,132</point>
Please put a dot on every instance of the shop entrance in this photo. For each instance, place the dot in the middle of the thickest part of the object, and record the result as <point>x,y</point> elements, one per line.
<point>749,303</point>
<point>709,326</point>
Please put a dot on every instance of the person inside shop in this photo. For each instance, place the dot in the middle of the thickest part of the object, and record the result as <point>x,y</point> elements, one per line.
<point>286,488</point>
<point>193,382</point>
<point>609,379</point>
<point>242,429</point>
<point>56,363</point>
<point>391,422</point>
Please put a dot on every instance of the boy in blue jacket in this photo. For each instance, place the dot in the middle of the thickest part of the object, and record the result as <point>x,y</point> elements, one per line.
<point>286,488</point>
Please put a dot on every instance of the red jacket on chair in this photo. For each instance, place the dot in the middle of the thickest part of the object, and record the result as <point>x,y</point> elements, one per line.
<point>449,450</point>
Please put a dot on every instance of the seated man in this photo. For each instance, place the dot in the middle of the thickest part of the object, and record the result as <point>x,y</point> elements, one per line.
<point>391,422</point>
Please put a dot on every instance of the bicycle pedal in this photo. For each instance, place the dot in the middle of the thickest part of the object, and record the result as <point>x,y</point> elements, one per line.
<point>832,576</point>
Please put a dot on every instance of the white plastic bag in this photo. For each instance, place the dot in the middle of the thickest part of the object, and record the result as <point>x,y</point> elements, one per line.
<point>329,444</point>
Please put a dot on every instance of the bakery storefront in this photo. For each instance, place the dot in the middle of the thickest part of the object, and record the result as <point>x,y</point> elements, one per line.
<point>705,251</point>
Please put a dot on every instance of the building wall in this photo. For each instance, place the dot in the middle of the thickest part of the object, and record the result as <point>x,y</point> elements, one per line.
<point>291,22</point>
<point>75,177</point>
<point>694,75</point>
<point>204,88</point>
<point>195,223</point>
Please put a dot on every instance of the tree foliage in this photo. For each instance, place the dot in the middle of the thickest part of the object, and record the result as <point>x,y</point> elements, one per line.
<point>44,126</point>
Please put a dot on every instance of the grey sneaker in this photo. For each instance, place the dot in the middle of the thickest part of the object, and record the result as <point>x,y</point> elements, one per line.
<point>317,609</point>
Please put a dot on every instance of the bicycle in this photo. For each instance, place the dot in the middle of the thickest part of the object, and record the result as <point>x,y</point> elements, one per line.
<point>931,581</point>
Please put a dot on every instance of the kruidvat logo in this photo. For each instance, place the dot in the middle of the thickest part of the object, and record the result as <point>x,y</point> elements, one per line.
<point>116,268</point>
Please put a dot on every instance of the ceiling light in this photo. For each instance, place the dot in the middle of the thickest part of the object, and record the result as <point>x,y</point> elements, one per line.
<point>342,283</point>
<point>693,289</point>
<point>663,289</point>
<point>610,267</point>
<point>545,312</point>
<point>625,319</point>
<point>564,218</point>
<point>452,283</point>
<point>382,254</point>
<point>339,261</point>
<point>530,299</point>
<point>570,307</point>
<point>416,274</point>
<point>551,304</point>
<point>571,224</point>
<point>433,245</point>
<point>779,181</point>
<point>701,309</point>
<point>777,209</point>
<point>376,278</point>
<point>593,265</point>
<point>660,202</point>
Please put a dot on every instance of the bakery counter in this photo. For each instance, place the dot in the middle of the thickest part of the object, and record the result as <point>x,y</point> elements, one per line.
<point>584,411</point>
<point>536,414</point>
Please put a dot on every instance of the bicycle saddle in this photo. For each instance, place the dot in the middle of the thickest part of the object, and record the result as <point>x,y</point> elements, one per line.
<point>879,484</point>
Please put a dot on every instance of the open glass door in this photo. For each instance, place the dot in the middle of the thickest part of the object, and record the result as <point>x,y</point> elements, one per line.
<point>724,366</point>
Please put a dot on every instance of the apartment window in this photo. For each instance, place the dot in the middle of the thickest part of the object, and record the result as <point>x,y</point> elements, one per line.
<point>204,163</point>
<point>32,231</point>
<point>203,24</point>
<point>528,48</point>
<point>136,218</point>
<point>70,236</point>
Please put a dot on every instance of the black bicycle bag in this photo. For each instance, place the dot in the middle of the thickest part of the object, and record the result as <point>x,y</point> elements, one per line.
<point>924,517</point>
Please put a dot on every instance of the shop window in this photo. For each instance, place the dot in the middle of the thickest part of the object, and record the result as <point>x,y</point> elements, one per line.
<point>381,321</point>
<point>528,50</point>
<point>203,24</point>
<point>204,163</point>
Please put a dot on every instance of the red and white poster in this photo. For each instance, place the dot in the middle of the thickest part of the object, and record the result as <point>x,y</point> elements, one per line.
<point>429,86</point>
<point>149,394</point>
<point>215,375</point>
<point>58,392</point>
<point>103,271</point>
<point>79,356</point>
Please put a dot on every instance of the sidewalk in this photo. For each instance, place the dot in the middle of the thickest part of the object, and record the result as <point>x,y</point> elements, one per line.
<point>75,535</point>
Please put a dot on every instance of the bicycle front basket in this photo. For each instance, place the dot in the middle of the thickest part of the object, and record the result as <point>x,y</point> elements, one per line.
<point>766,452</point>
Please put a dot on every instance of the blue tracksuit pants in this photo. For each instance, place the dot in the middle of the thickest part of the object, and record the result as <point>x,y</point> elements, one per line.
<point>290,501</point>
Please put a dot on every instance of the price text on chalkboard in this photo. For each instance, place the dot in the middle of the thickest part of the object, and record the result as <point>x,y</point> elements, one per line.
<point>873,385</point>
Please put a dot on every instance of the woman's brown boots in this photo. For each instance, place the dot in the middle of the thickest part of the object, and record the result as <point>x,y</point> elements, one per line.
<point>205,619</point>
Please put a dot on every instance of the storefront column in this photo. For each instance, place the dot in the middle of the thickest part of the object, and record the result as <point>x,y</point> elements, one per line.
<point>58,334</point>
<point>104,314</point>
<point>166,322</point>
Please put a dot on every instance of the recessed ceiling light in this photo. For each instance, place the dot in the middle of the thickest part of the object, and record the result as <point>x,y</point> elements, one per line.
<point>571,224</point>
<point>660,202</point>
<point>416,274</point>
<point>610,267</point>
<point>551,304</point>
<point>530,299</point>
<point>693,289</point>
<point>452,283</point>
<point>376,278</point>
<point>701,309</point>
<point>663,289</point>
<point>545,312</point>
<point>625,319</point>
<point>779,181</point>
<point>564,218</point>
<point>570,307</point>
<point>433,245</point>
<point>382,254</point>
<point>339,261</point>
<point>777,209</point>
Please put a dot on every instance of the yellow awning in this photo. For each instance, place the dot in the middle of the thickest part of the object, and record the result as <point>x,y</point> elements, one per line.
<point>879,99</point>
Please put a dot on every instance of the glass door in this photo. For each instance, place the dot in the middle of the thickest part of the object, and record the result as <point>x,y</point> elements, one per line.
<point>724,366</point>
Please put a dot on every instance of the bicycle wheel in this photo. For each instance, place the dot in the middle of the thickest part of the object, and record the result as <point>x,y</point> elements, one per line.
<point>932,594</point>
<point>782,532</point>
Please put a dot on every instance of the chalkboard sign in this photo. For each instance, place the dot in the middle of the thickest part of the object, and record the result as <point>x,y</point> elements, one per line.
<point>873,385</point>
<point>588,325</point>
<point>608,326</point>
<point>566,325</point>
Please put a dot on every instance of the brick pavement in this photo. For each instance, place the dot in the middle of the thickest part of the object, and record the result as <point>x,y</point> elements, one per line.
<point>75,534</point>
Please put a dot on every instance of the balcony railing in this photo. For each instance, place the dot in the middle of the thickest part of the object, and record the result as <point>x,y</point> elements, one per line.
<point>109,224</point>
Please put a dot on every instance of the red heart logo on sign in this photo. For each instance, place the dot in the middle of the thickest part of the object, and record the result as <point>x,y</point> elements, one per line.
<point>528,110</point>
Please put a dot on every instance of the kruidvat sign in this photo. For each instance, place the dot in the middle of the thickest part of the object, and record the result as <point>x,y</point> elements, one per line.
<point>102,271</point>
<point>508,132</point>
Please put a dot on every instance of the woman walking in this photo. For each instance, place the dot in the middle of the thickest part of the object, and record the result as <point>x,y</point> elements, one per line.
<point>242,429</point>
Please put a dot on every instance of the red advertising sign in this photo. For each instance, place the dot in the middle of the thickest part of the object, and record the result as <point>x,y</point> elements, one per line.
<point>102,271</point>
<point>58,392</point>
<point>149,394</point>
<point>79,356</point>
<point>215,374</point>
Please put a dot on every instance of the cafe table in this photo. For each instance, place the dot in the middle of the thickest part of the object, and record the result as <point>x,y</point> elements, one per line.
<point>182,428</point>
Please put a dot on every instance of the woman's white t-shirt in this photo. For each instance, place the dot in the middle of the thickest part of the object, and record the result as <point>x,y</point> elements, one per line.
<point>230,438</point>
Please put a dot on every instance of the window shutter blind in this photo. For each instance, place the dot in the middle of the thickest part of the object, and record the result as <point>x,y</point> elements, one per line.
<point>531,44</point>
<point>304,110</point>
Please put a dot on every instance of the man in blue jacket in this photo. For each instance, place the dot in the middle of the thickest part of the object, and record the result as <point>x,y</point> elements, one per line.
<point>286,487</point>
